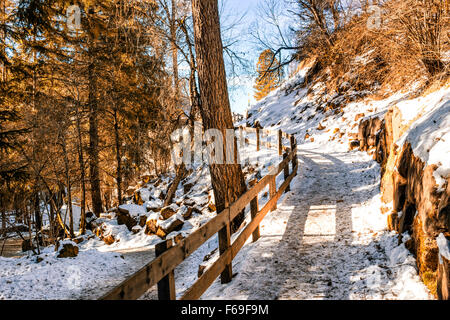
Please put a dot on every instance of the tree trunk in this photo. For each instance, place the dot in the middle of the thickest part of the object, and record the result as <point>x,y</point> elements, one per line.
<point>94,143</point>
<point>118,158</point>
<point>3,219</point>
<point>69,209</point>
<point>173,35</point>
<point>37,212</point>
<point>227,179</point>
<point>180,174</point>
<point>83,178</point>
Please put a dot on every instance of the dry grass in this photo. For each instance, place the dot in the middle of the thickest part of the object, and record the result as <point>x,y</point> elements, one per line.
<point>408,47</point>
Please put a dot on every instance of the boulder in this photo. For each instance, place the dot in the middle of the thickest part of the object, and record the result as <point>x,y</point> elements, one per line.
<point>354,145</point>
<point>27,245</point>
<point>189,202</point>
<point>109,240</point>
<point>124,218</point>
<point>136,229</point>
<point>168,212</point>
<point>171,225</point>
<point>152,209</point>
<point>142,221</point>
<point>90,221</point>
<point>392,221</point>
<point>68,250</point>
<point>212,207</point>
<point>188,187</point>
<point>160,233</point>
<point>151,226</point>
<point>187,214</point>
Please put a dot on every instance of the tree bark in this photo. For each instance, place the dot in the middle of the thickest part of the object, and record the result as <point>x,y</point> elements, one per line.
<point>180,174</point>
<point>83,178</point>
<point>37,212</point>
<point>173,35</point>
<point>69,209</point>
<point>227,179</point>
<point>94,173</point>
<point>118,157</point>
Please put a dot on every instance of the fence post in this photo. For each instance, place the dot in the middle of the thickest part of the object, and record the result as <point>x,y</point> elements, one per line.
<point>280,142</point>
<point>254,209</point>
<point>286,172</point>
<point>224,244</point>
<point>273,190</point>
<point>166,287</point>
<point>293,147</point>
<point>258,139</point>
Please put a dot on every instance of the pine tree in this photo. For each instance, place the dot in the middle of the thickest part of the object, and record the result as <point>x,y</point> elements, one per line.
<point>227,179</point>
<point>269,72</point>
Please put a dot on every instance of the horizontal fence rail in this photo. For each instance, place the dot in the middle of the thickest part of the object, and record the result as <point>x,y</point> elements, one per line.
<point>160,271</point>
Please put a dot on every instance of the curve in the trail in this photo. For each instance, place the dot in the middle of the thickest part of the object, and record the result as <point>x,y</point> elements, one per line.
<point>327,240</point>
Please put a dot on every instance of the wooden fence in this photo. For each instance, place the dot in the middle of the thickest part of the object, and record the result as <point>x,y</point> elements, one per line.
<point>161,270</point>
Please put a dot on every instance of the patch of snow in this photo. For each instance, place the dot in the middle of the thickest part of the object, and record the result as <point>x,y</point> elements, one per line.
<point>134,209</point>
<point>429,136</point>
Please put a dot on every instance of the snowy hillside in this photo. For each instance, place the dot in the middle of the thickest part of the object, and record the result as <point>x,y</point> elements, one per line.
<point>327,125</point>
<point>330,218</point>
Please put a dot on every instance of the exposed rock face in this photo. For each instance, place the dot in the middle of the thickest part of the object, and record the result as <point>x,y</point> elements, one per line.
<point>370,132</point>
<point>418,207</point>
<point>443,274</point>
<point>443,280</point>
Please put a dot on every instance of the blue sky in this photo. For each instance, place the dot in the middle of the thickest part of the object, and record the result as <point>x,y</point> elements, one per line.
<point>241,86</point>
<point>243,90</point>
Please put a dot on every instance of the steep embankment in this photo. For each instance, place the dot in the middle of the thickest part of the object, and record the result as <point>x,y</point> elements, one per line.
<point>412,144</point>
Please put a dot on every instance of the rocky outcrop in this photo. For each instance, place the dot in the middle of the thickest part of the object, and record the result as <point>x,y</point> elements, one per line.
<point>409,190</point>
<point>371,136</point>
<point>443,274</point>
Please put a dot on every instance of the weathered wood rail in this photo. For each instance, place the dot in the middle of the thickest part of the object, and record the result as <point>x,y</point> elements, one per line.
<point>160,271</point>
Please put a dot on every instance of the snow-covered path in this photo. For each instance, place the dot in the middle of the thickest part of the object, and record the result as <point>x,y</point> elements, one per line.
<point>327,240</point>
